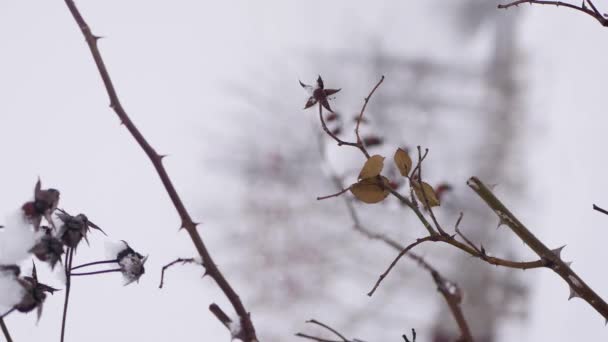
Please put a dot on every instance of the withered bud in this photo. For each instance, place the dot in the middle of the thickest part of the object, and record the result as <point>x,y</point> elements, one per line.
<point>48,248</point>
<point>131,264</point>
<point>34,294</point>
<point>44,204</point>
<point>74,228</point>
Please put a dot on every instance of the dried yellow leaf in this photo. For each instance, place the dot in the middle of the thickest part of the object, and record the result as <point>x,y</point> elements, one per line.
<point>372,167</point>
<point>370,190</point>
<point>429,194</point>
<point>403,162</point>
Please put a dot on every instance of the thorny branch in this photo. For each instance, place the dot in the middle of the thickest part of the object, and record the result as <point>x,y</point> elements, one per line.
<point>187,223</point>
<point>578,288</point>
<point>591,10</point>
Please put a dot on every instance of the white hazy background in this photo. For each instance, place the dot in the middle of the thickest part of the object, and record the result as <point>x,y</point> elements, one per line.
<point>170,62</point>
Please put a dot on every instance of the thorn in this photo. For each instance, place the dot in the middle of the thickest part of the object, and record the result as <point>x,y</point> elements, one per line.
<point>162,156</point>
<point>573,294</point>
<point>558,252</point>
<point>568,263</point>
<point>501,222</point>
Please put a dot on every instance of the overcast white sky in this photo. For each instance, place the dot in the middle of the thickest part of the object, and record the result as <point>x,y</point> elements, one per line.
<point>169,61</point>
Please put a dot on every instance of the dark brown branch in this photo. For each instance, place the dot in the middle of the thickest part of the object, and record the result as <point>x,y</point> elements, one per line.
<point>187,223</point>
<point>315,338</point>
<point>465,248</point>
<point>603,211</point>
<point>320,198</point>
<point>162,273</point>
<point>399,256</point>
<point>69,255</point>
<point>413,336</point>
<point>426,200</point>
<point>328,328</point>
<point>360,118</point>
<point>4,328</point>
<point>97,272</point>
<point>332,135</point>
<point>578,287</point>
<point>593,12</point>
<point>95,263</point>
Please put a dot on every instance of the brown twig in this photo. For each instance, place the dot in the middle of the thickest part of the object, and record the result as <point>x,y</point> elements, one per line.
<point>4,328</point>
<point>360,118</point>
<point>94,263</point>
<point>577,286</point>
<point>601,210</point>
<point>69,256</point>
<point>593,12</point>
<point>187,223</point>
<point>399,256</point>
<point>96,272</point>
<point>328,328</point>
<point>320,198</point>
<point>178,260</point>
<point>426,200</point>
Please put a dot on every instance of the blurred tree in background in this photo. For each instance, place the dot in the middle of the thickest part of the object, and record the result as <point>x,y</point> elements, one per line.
<point>467,111</point>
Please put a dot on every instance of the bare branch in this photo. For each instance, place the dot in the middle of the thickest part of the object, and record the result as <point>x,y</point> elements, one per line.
<point>187,223</point>
<point>399,256</point>
<point>69,256</point>
<point>583,9</point>
<point>178,260</point>
<point>603,211</point>
<point>328,328</point>
<point>365,102</point>
<point>4,328</point>
<point>333,195</point>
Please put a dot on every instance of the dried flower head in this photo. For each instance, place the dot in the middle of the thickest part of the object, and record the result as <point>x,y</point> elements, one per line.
<point>131,264</point>
<point>318,94</point>
<point>35,294</point>
<point>44,204</point>
<point>49,248</point>
<point>74,228</point>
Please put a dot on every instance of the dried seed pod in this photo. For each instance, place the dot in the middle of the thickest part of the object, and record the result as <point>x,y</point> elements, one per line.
<point>44,204</point>
<point>49,248</point>
<point>35,294</point>
<point>318,94</point>
<point>74,228</point>
<point>131,264</point>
